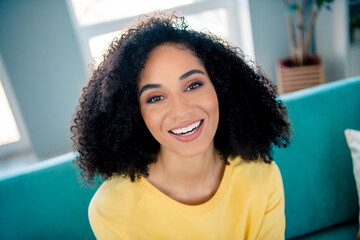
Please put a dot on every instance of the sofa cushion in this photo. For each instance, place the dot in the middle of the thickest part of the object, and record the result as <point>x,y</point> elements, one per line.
<point>343,231</point>
<point>353,140</point>
<point>45,201</point>
<point>317,170</point>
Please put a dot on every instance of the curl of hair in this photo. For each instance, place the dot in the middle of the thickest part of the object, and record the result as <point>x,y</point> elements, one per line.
<point>108,130</point>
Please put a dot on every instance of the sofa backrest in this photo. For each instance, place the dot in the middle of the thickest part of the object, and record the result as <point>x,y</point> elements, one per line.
<point>316,167</point>
<point>45,202</point>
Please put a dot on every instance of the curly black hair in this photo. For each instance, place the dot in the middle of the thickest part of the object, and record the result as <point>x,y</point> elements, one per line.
<point>109,132</point>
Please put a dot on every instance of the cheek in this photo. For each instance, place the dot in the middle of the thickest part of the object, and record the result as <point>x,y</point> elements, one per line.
<point>152,121</point>
<point>212,104</point>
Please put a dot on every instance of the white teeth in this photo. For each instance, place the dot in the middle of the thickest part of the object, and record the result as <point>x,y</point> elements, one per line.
<point>188,130</point>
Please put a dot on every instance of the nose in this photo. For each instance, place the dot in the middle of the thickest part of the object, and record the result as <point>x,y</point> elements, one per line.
<point>179,107</point>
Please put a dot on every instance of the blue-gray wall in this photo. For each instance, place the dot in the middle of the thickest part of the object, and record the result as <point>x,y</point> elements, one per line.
<point>270,34</point>
<point>45,68</point>
<point>271,38</point>
<point>44,62</point>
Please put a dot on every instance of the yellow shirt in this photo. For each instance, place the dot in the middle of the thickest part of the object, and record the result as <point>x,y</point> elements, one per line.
<point>249,204</point>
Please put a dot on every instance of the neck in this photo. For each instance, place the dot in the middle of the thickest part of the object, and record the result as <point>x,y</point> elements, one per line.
<point>196,176</point>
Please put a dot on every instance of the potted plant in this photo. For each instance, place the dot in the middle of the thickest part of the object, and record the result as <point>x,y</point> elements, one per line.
<point>355,28</point>
<point>302,69</point>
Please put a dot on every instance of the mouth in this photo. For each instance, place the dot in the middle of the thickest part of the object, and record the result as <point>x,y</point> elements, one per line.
<point>187,130</point>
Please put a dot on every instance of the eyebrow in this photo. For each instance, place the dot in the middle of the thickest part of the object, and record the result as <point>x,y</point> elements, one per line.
<point>182,77</point>
<point>148,86</point>
<point>191,72</point>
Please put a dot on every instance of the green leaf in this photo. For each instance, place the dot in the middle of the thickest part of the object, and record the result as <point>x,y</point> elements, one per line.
<point>326,3</point>
<point>293,7</point>
<point>319,3</point>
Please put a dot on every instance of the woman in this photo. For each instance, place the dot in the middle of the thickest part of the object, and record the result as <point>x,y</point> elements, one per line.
<point>181,129</point>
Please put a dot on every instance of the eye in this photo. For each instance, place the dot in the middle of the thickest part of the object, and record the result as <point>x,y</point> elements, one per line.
<point>194,85</point>
<point>154,99</point>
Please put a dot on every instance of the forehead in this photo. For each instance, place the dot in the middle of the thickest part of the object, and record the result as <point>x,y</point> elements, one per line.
<point>169,60</point>
<point>165,48</point>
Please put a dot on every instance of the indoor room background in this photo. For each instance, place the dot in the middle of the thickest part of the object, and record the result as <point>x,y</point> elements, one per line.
<point>46,46</point>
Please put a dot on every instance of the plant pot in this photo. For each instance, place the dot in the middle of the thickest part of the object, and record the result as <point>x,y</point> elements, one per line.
<point>292,78</point>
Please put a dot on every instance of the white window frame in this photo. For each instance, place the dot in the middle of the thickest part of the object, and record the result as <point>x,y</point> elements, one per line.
<point>238,13</point>
<point>23,145</point>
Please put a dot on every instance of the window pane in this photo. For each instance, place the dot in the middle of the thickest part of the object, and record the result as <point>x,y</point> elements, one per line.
<point>99,44</point>
<point>9,132</point>
<point>96,11</point>
<point>214,21</point>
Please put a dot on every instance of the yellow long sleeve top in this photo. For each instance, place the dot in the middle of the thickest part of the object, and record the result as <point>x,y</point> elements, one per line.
<point>249,204</point>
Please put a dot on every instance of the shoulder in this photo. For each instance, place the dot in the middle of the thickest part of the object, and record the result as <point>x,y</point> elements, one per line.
<point>114,204</point>
<point>264,176</point>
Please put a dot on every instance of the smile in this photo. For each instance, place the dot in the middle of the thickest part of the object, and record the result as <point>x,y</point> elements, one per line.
<point>187,130</point>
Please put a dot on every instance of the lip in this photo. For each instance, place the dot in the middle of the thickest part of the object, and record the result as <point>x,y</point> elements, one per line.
<point>190,137</point>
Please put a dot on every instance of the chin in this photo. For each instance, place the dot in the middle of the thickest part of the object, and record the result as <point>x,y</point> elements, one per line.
<point>190,153</point>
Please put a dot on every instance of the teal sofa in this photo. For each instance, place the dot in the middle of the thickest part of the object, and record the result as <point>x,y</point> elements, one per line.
<point>46,201</point>
<point>321,200</point>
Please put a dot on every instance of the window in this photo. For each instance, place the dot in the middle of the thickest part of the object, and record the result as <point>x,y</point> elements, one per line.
<point>93,11</point>
<point>13,136</point>
<point>9,132</point>
<point>97,22</point>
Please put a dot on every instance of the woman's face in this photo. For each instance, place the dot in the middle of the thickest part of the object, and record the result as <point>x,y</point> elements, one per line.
<point>178,101</point>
